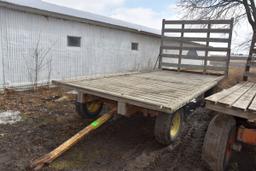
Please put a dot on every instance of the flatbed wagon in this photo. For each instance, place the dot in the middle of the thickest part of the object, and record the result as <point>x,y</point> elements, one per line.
<point>234,124</point>
<point>166,91</point>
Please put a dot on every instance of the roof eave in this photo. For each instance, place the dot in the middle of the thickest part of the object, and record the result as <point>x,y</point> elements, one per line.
<point>72,18</point>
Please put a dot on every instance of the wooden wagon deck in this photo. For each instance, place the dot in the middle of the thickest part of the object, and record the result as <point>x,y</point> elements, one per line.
<point>238,100</point>
<point>165,91</point>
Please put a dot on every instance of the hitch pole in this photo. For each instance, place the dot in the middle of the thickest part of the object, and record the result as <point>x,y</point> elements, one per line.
<point>48,158</point>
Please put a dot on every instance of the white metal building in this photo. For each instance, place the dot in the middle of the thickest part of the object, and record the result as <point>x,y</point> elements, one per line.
<point>41,41</point>
<point>69,43</point>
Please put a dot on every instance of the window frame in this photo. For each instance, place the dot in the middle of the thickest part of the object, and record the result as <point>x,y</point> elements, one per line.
<point>134,46</point>
<point>79,39</point>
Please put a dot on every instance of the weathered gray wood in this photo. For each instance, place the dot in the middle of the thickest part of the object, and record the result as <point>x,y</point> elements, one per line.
<point>162,43</point>
<point>209,58</point>
<point>249,115</point>
<point>246,99</point>
<point>207,46</point>
<point>198,21</point>
<point>181,46</point>
<point>217,96</point>
<point>238,100</point>
<point>191,43</point>
<point>164,91</point>
<point>221,49</point>
<point>196,39</point>
<point>253,105</point>
<point>238,58</point>
<point>121,108</point>
<point>193,67</point>
<point>232,98</point>
<point>229,47</point>
<point>196,30</point>
<point>250,58</point>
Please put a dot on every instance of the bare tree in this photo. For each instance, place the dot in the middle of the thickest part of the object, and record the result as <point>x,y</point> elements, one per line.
<point>214,9</point>
<point>39,61</point>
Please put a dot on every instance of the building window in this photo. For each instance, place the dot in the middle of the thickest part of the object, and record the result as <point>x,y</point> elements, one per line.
<point>135,46</point>
<point>74,41</point>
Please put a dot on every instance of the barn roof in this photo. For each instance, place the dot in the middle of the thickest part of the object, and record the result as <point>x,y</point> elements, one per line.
<point>48,9</point>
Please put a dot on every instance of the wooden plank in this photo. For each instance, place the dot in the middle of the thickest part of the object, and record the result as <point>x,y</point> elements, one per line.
<point>115,97</point>
<point>175,77</point>
<point>238,58</point>
<point>195,94</point>
<point>195,39</point>
<point>48,158</point>
<point>221,49</point>
<point>216,97</point>
<point>147,87</point>
<point>194,67</point>
<point>232,98</point>
<point>209,58</point>
<point>174,30</point>
<point>198,21</point>
<point>231,111</point>
<point>245,100</point>
<point>252,106</point>
<point>151,84</point>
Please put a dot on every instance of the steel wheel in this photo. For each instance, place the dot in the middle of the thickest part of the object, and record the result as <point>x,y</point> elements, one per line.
<point>168,127</point>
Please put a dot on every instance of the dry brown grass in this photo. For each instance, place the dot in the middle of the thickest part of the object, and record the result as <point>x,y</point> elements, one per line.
<point>235,76</point>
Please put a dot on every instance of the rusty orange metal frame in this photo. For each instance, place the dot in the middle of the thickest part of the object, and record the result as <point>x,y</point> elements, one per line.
<point>247,136</point>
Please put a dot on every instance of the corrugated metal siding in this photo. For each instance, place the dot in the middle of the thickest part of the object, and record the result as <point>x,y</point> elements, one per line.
<point>103,50</point>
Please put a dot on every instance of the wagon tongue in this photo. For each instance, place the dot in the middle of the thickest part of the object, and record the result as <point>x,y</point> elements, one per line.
<point>48,158</point>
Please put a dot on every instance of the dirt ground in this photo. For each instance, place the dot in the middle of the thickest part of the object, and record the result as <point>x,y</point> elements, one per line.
<point>122,144</point>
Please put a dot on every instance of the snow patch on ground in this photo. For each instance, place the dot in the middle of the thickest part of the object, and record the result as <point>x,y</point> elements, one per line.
<point>9,117</point>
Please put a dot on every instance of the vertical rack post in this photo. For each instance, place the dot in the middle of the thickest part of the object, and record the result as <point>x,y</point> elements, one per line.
<point>162,42</point>
<point>249,59</point>
<point>229,47</point>
<point>181,46</point>
<point>207,46</point>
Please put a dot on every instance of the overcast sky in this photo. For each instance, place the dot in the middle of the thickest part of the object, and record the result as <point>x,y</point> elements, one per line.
<point>145,12</point>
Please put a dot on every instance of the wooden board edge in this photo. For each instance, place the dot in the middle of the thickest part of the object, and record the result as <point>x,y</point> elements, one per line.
<point>230,110</point>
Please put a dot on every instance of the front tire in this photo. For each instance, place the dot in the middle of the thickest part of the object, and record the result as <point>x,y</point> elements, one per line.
<point>220,136</point>
<point>168,127</point>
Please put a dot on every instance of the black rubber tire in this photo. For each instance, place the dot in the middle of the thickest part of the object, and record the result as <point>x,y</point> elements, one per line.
<point>82,110</point>
<point>163,125</point>
<point>221,129</point>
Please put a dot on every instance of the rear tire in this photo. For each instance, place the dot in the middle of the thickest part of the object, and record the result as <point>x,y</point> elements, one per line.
<point>168,127</point>
<point>219,138</point>
<point>89,109</point>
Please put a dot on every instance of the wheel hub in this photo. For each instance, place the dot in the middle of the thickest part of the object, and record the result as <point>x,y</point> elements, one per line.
<point>93,106</point>
<point>175,124</point>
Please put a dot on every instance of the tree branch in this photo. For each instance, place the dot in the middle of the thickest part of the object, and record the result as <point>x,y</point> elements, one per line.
<point>249,15</point>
